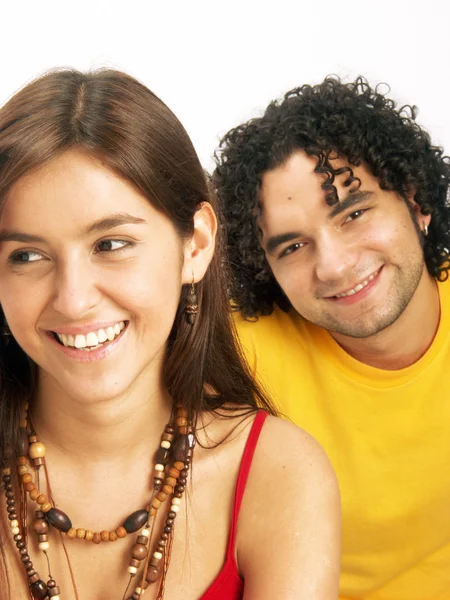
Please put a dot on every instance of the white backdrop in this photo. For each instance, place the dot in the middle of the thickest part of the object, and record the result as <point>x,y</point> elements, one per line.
<point>218,63</point>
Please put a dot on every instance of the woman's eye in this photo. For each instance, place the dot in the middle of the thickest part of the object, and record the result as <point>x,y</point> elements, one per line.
<point>355,215</point>
<point>25,256</point>
<point>292,248</point>
<point>111,245</point>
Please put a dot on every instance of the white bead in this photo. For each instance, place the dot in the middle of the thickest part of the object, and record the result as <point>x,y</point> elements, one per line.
<point>15,530</point>
<point>157,554</point>
<point>132,570</point>
<point>14,523</point>
<point>138,591</point>
<point>165,444</point>
<point>176,501</point>
<point>145,532</point>
<point>57,597</point>
<point>175,508</point>
<point>159,467</point>
<point>44,546</point>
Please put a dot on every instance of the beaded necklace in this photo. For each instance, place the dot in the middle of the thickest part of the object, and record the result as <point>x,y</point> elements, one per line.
<point>172,462</point>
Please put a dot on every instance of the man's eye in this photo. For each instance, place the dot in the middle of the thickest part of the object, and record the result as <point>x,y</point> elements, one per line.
<point>290,249</point>
<point>111,245</point>
<point>355,215</point>
<point>25,256</point>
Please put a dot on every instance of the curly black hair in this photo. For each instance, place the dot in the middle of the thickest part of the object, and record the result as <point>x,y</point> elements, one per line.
<point>353,120</point>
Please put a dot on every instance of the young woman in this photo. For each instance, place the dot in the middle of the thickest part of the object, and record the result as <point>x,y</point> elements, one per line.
<point>129,424</point>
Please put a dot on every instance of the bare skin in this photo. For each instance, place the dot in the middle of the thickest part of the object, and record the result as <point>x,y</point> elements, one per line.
<point>101,420</point>
<point>318,252</point>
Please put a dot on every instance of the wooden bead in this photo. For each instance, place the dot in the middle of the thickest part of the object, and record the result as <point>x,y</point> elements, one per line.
<point>156,503</point>
<point>97,538</point>
<point>152,512</point>
<point>184,430</point>
<point>58,519</point>
<point>142,539</point>
<point>26,477</point>
<point>174,473</point>
<point>167,489</point>
<point>46,507</point>
<point>152,574</point>
<point>171,481</point>
<point>81,533</point>
<point>42,499</point>
<point>40,526</point>
<point>167,437</point>
<point>34,494</point>
<point>28,486</point>
<point>89,535</point>
<point>161,496</point>
<point>180,448</point>
<point>181,421</point>
<point>139,551</point>
<point>104,535</point>
<point>121,532</point>
<point>22,470</point>
<point>22,461</point>
<point>135,521</point>
<point>112,536</point>
<point>182,412</point>
<point>32,439</point>
<point>43,537</point>
<point>37,450</point>
<point>162,456</point>
<point>39,589</point>
<point>72,533</point>
<point>33,578</point>
<point>178,465</point>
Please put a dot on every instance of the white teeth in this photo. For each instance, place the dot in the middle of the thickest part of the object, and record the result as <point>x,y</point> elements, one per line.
<point>92,339</point>
<point>80,341</point>
<point>357,288</point>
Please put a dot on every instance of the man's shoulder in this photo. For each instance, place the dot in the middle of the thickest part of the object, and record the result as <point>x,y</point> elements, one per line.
<point>276,323</point>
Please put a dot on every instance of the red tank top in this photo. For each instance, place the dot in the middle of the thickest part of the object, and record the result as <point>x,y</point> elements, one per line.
<point>228,584</point>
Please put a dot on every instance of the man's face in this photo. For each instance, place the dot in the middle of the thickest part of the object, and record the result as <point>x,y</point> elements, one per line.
<point>351,268</point>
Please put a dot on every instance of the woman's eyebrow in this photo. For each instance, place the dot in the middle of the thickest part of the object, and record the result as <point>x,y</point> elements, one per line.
<point>113,220</point>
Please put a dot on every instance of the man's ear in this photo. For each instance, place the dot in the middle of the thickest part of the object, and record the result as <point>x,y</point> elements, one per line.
<point>199,249</point>
<point>422,220</point>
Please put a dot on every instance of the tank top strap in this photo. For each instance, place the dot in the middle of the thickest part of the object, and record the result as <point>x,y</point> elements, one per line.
<point>246,463</point>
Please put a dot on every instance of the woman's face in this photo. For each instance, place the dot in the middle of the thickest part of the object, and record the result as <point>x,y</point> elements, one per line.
<point>90,277</point>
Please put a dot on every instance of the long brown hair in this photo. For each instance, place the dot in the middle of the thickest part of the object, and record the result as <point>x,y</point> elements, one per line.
<point>112,116</point>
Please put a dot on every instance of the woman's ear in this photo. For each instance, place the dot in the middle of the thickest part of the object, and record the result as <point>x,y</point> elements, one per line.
<point>199,249</point>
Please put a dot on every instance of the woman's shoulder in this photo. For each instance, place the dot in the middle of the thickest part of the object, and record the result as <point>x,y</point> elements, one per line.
<point>290,516</point>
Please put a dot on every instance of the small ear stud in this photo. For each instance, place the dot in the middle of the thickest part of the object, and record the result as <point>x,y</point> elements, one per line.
<point>425,230</point>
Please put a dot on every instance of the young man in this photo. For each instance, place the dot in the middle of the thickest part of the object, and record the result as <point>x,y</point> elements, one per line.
<point>339,237</point>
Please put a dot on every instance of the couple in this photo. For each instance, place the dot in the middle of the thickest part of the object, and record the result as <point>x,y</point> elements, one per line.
<point>139,456</point>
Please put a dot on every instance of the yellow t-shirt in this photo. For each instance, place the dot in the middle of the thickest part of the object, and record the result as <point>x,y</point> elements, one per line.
<point>387,434</point>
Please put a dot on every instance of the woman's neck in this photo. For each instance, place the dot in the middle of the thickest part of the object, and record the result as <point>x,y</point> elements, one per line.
<point>112,430</point>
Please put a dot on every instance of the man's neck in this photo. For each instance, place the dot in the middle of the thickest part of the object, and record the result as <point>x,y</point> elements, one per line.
<point>404,342</point>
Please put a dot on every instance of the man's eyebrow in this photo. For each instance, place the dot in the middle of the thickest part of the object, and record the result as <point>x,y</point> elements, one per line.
<point>113,220</point>
<point>104,224</point>
<point>277,240</point>
<point>353,199</point>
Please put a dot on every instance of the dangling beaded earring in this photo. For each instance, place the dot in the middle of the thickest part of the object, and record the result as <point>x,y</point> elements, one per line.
<point>191,309</point>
